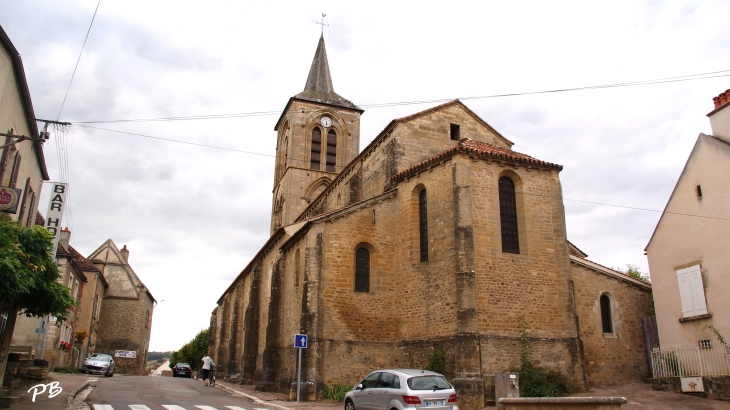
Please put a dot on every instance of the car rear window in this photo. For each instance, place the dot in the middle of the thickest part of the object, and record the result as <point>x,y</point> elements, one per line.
<point>428,383</point>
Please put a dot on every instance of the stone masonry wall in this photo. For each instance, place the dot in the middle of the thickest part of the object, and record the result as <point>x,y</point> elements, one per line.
<point>620,357</point>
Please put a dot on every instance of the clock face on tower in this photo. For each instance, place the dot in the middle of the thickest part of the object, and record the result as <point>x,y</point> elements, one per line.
<point>325,121</point>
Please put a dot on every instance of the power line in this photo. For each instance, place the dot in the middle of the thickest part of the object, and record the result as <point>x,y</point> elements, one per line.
<point>78,60</point>
<point>691,77</point>
<point>384,173</point>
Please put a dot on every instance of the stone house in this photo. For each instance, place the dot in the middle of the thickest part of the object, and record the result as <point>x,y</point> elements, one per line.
<point>22,165</point>
<point>688,254</point>
<point>435,235</point>
<point>125,317</point>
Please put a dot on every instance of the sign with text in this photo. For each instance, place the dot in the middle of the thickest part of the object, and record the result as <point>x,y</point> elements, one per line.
<point>56,206</point>
<point>300,341</point>
<point>129,354</point>
<point>9,199</point>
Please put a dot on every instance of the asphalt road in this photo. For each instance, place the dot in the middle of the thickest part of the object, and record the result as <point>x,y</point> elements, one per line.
<point>158,393</point>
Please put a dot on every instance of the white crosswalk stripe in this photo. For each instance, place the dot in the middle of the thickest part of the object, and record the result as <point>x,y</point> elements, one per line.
<point>138,407</point>
<point>201,407</point>
<point>237,408</point>
<point>173,407</point>
<point>103,407</point>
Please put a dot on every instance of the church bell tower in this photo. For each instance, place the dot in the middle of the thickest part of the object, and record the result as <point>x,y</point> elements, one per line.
<point>318,134</point>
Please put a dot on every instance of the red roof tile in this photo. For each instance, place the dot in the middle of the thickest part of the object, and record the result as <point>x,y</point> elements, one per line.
<point>80,262</point>
<point>467,146</point>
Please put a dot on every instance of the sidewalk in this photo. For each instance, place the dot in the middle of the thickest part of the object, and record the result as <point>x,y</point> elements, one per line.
<point>278,401</point>
<point>68,382</point>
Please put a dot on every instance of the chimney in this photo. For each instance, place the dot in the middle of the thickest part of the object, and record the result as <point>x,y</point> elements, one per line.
<point>125,253</point>
<point>65,237</point>
<point>720,116</point>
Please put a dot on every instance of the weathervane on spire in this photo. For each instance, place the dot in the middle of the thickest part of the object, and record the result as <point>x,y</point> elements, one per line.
<point>322,23</point>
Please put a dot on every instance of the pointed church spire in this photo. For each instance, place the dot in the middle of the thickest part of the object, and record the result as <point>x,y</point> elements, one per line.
<point>319,82</point>
<point>319,79</point>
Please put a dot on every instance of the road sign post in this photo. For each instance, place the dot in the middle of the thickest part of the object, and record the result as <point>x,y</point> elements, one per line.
<point>300,342</point>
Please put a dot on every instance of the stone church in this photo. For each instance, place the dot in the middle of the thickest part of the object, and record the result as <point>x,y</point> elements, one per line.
<point>437,235</point>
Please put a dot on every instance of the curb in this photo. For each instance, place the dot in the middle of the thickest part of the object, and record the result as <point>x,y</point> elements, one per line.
<point>252,398</point>
<point>72,395</point>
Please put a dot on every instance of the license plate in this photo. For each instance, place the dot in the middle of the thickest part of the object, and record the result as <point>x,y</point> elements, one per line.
<point>430,403</point>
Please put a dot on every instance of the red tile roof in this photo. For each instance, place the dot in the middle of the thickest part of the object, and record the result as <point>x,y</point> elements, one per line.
<point>482,149</point>
<point>80,262</point>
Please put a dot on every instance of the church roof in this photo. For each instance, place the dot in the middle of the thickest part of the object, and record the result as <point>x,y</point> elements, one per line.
<point>319,82</point>
<point>468,146</point>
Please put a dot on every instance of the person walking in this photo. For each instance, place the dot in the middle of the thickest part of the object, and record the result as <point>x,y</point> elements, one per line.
<point>207,366</point>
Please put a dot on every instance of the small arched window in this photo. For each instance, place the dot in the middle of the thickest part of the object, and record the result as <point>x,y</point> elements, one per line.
<point>606,314</point>
<point>316,148</point>
<point>362,270</point>
<point>331,150</point>
<point>508,216</point>
<point>423,225</point>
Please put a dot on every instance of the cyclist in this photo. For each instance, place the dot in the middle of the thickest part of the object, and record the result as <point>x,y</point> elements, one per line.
<point>207,366</point>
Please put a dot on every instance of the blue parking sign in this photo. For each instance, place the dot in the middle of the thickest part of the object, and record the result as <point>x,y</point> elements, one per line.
<point>300,341</point>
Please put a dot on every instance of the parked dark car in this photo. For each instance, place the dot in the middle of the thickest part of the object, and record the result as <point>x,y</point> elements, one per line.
<point>182,370</point>
<point>99,363</point>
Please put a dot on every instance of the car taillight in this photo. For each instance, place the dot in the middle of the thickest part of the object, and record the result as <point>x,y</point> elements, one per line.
<point>411,400</point>
<point>452,398</point>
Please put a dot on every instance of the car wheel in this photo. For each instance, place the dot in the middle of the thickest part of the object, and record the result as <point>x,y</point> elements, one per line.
<point>349,405</point>
<point>106,374</point>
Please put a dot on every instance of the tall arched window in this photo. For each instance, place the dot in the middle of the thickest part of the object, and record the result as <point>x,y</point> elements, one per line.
<point>331,150</point>
<point>362,270</point>
<point>296,269</point>
<point>316,148</point>
<point>423,225</point>
<point>508,216</point>
<point>606,314</point>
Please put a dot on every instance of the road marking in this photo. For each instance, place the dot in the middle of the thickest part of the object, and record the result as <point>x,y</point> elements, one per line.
<point>237,408</point>
<point>103,407</point>
<point>93,380</point>
<point>173,407</point>
<point>201,407</point>
<point>138,407</point>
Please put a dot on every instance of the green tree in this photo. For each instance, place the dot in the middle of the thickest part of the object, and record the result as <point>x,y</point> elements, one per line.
<point>28,273</point>
<point>634,272</point>
<point>192,352</point>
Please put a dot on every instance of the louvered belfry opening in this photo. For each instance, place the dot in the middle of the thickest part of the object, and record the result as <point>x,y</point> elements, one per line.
<point>606,314</point>
<point>423,225</point>
<point>508,216</point>
<point>362,270</point>
<point>331,150</point>
<point>316,148</point>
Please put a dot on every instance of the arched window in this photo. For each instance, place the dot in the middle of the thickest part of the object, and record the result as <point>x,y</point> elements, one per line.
<point>316,148</point>
<point>423,225</point>
<point>606,314</point>
<point>362,270</point>
<point>508,216</point>
<point>296,269</point>
<point>331,150</point>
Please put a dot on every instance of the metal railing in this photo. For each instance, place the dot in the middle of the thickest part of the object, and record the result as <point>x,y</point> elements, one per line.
<point>709,359</point>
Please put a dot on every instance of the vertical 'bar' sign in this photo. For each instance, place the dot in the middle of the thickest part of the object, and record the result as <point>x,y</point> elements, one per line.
<point>54,215</point>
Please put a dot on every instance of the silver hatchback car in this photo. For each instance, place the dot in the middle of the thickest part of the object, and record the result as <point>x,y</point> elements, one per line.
<point>402,389</point>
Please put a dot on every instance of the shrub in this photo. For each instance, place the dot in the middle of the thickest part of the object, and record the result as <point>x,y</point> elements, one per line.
<point>537,381</point>
<point>336,392</point>
<point>67,369</point>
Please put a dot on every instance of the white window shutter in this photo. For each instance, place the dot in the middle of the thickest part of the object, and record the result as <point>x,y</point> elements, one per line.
<point>685,293</point>
<point>698,290</point>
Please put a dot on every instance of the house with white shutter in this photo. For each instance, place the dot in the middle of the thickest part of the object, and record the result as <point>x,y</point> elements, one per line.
<point>689,252</point>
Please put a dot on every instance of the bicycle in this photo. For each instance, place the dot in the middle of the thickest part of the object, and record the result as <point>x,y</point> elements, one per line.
<point>211,377</point>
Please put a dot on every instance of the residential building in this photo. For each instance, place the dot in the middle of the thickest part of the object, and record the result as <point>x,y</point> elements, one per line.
<point>125,318</point>
<point>437,235</point>
<point>689,251</point>
<point>22,165</point>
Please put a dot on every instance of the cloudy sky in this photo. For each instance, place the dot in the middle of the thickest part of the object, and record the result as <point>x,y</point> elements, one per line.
<point>193,217</point>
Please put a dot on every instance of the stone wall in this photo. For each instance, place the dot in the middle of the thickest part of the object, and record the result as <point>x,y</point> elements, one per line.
<point>619,357</point>
<point>123,326</point>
